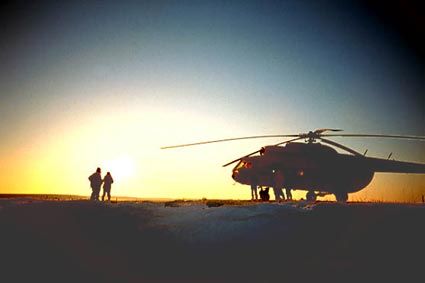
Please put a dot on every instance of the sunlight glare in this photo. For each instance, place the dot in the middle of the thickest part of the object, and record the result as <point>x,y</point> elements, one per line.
<point>121,168</point>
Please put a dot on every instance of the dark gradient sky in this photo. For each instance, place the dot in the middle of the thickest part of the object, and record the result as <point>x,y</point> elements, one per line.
<point>252,67</point>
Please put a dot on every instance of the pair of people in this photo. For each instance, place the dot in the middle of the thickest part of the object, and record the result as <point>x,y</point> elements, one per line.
<point>96,182</point>
<point>264,193</point>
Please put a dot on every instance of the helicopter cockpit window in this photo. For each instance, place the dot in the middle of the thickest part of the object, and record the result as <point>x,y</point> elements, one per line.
<point>240,165</point>
<point>243,164</point>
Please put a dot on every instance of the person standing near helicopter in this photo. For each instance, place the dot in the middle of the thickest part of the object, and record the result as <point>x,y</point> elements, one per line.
<point>254,194</point>
<point>278,184</point>
<point>264,193</point>
<point>288,194</point>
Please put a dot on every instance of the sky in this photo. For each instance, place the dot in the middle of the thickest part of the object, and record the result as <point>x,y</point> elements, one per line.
<point>87,84</point>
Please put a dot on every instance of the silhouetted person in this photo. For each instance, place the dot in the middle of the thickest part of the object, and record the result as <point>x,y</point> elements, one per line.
<point>288,194</point>
<point>254,195</point>
<point>95,183</point>
<point>264,194</point>
<point>277,187</point>
<point>278,194</point>
<point>107,182</point>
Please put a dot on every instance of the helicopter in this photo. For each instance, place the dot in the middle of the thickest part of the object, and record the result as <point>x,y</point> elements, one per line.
<point>313,166</point>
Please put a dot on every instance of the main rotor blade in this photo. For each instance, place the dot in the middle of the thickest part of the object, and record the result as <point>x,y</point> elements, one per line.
<point>252,153</point>
<point>376,136</point>
<point>319,131</point>
<point>230,139</point>
<point>340,146</point>
<point>298,138</point>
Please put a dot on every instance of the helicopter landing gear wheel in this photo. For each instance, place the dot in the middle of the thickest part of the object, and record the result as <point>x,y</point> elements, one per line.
<point>341,197</point>
<point>311,196</point>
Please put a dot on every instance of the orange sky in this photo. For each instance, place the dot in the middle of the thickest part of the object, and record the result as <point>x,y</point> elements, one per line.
<point>60,164</point>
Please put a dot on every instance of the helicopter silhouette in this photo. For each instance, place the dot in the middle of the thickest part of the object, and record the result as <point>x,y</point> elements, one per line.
<point>313,166</point>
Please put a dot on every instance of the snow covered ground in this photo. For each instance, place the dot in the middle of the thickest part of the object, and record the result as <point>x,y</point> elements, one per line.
<point>81,241</point>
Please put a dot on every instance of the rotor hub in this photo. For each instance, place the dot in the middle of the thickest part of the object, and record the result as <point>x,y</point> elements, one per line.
<point>310,137</point>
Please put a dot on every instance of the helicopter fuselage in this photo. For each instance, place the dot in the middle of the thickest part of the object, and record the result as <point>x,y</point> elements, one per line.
<point>315,167</point>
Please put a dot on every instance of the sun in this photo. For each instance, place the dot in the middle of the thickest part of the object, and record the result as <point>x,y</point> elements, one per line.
<point>121,168</point>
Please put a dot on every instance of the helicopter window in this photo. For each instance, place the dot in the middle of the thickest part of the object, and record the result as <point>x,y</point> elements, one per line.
<point>243,164</point>
<point>240,165</point>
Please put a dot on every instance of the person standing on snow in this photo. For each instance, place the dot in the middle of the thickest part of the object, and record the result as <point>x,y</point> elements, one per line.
<point>288,194</point>
<point>107,183</point>
<point>278,184</point>
<point>95,183</point>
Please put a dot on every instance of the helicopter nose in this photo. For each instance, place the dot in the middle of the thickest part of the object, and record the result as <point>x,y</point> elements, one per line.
<point>234,174</point>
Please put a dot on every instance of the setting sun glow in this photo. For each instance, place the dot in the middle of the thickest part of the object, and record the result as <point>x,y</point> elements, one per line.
<point>122,167</point>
